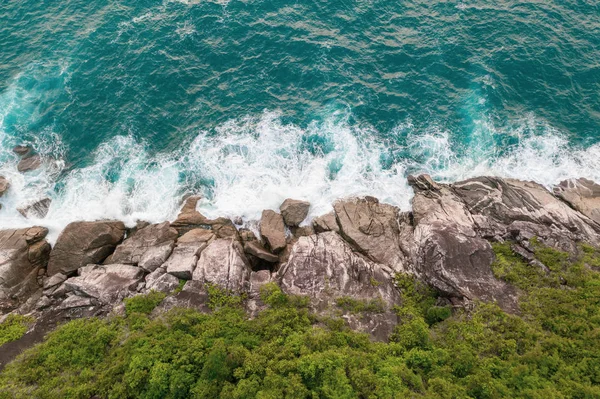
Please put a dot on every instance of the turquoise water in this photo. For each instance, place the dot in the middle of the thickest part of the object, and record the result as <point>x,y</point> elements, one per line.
<point>135,103</point>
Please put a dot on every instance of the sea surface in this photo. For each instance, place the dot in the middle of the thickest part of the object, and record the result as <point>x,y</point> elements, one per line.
<point>135,103</point>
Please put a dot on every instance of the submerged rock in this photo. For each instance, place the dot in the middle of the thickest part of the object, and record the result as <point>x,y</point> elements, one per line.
<point>38,209</point>
<point>22,150</point>
<point>272,230</point>
<point>325,268</point>
<point>30,163</point>
<point>4,185</point>
<point>294,211</point>
<point>83,243</point>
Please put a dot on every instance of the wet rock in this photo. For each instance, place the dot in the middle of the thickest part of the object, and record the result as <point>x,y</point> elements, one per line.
<point>294,211</point>
<point>23,252</point>
<point>223,263</point>
<point>22,150</point>
<point>30,163</point>
<point>272,230</point>
<point>83,243</point>
<point>106,283</point>
<point>4,185</point>
<point>149,247</point>
<point>38,209</point>
<point>255,248</point>
<point>582,195</point>
<point>451,256</point>
<point>184,258</point>
<point>325,268</point>
<point>325,223</point>
<point>189,218</point>
<point>373,229</point>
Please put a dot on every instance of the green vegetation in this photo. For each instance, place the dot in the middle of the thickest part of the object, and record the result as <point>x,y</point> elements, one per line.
<point>13,327</point>
<point>550,350</point>
<point>358,305</point>
<point>143,303</point>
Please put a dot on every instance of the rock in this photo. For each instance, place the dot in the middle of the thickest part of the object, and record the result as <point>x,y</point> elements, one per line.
<point>30,163</point>
<point>106,283</point>
<point>189,218</point>
<point>374,229</point>
<point>272,230</point>
<point>451,256</point>
<point>223,263</point>
<point>257,280</point>
<point>75,301</point>
<point>326,222</point>
<point>582,195</point>
<point>294,211</point>
<point>193,295</point>
<point>325,268</point>
<point>303,231</point>
<point>23,252</point>
<point>184,258</point>
<point>149,247</point>
<point>506,205</point>
<point>38,209</point>
<point>82,243</point>
<point>164,283</point>
<point>22,150</point>
<point>255,248</point>
<point>4,185</point>
<point>246,235</point>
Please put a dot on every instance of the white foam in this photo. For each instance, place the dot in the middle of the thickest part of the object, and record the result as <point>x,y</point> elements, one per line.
<point>248,165</point>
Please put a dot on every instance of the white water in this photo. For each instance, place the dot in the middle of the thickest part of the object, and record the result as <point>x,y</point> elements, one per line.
<point>255,163</point>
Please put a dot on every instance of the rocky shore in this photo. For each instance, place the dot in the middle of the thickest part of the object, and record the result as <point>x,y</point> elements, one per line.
<point>354,251</point>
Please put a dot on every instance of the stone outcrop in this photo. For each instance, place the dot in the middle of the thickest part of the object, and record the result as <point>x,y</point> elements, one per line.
<point>582,195</point>
<point>160,280</point>
<point>184,258</point>
<point>325,268</point>
<point>105,283</point>
<point>272,230</point>
<point>294,211</point>
<point>189,218</point>
<point>23,253</point>
<point>38,209</point>
<point>149,247</point>
<point>83,243</point>
<point>256,249</point>
<point>4,185</point>
<point>450,255</point>
<point>223,263</point>
<point>325,223</point>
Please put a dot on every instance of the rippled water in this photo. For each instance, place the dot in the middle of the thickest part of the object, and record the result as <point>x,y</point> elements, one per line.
<point>137,102</point>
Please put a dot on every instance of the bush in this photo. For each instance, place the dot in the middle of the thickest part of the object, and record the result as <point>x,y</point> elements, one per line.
<point>143,303</point>
<point>14,327</point>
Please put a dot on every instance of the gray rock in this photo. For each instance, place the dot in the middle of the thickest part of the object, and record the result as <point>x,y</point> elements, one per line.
<point>294,211</point>
<point>83,243</point>
<point>23,252</point>
<point>326,222</point>
<point>30,163</point>
<point>75,301</point>
<point>189,218</point>
<point>582,195</point>
<point>38,209</point>
<point>4,185</point>
<point>255,248</point>
<point>325,268</point>
<point>184,258</point>
<point>257,280</point>
<point>149,247</point>
<point>374,229</point>
<point>272,230</point>
<point>223,263</point>
<point>106,283</point>
<point>164,283</point>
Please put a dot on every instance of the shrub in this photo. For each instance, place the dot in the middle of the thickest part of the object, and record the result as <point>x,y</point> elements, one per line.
<point>14,327</point>
<point>143,303</point>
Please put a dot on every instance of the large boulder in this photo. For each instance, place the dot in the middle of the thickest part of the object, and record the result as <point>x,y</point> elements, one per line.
<point>149,247</point>
<point>379,231</point>
<point>224,264</point>
<point>23,253</point>
<point>30,163</point>
<point>450,255</point>
<point>83,243</point>
<point>105,283</point>
<point>325,268</point>
<point>583,195</point>
<point>4,185</point>
<point>189,218</point>
<point>272,230</point>
<point>294,211</point>
<point>184,258</point>
<point>520,210</point>
<point>326,222</point>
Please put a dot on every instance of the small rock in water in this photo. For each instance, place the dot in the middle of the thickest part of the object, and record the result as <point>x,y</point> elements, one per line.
<point>4,185</point>
<point>38,209</point>
<point>22,150</point>
<point>294,211</point>
<point>31,163</point>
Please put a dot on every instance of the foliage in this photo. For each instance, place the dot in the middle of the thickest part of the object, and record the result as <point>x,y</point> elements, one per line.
<point>361,305</point>
<point>143,303</point>
<point>550,350</point>
<point>13,327</point>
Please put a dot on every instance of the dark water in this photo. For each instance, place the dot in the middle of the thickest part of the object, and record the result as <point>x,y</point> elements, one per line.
<point>249,102</point>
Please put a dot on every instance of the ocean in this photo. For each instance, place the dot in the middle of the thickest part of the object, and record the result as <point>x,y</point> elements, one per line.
<point>134,104</point>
